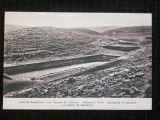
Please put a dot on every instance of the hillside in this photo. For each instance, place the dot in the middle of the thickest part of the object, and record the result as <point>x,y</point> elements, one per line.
<point>9,27</point>
<point>103,28</point>
<point>129,78</point>
<point>111,31</point>
<point>75,64</point>
<point>44,43</point>
<point>137,29</point>
<point>86,30</point>
<point>48,43</point>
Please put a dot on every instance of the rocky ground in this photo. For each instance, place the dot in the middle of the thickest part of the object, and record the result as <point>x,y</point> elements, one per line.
<point>130,78</point>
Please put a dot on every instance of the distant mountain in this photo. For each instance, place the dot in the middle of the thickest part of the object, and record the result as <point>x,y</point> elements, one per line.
<point>85,30</point>
<point>134,29</point>
<point>103,28</point>
<point>9,27</point>
<point>115,30</point>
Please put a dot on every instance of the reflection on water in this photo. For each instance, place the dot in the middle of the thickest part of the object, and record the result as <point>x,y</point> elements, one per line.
<point>52,70</point>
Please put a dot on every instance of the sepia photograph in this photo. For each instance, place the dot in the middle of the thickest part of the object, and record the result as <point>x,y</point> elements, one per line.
<point>77,55</point>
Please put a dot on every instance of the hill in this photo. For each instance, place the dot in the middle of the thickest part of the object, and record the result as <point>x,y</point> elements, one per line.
<point>86,30</point>
<point>113,30</point>
<point>132,30</point>
<point>49,43</point>
<point>44,43</point>
<point>9,27</point>
<point>103,28</point>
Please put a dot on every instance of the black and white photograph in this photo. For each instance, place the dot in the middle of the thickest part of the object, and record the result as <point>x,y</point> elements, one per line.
<point>77,55</point>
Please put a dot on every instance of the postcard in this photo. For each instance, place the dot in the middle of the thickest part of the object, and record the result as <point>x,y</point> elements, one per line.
<point>77,61</point>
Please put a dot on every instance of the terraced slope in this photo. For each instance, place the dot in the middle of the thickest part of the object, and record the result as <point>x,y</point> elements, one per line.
<point>44,43</point>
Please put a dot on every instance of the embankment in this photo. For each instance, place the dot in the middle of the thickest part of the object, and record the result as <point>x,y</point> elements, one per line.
<point>55,64</point>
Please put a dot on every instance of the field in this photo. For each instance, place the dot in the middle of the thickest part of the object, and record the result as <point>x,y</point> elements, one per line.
<point>79,62</point>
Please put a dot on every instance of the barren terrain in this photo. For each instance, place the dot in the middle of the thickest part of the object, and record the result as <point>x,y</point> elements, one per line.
<point>82,62</point>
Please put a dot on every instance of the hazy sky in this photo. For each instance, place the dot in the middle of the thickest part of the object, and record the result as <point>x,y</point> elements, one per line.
<point>70,20</point>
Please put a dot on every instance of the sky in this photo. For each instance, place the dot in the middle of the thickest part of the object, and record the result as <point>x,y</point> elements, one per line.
<point>74,20</point>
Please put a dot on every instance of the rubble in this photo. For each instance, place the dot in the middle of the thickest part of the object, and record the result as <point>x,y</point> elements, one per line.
<point>71,81</point>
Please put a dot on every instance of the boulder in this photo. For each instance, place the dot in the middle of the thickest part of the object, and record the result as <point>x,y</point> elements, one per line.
<point>131,76</point>
<point>125,80</point>
<point>139,74</point>
<point>134,90</point>
<point>71,81</point>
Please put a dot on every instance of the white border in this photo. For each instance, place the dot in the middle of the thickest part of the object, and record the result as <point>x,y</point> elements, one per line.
<point>78,103</point>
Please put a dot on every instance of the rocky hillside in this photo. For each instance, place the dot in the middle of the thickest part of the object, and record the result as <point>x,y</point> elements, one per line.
<point>39,43</point>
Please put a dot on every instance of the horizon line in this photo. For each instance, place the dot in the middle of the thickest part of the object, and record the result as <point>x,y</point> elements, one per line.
<point>75,27</point>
